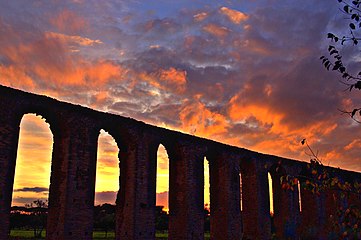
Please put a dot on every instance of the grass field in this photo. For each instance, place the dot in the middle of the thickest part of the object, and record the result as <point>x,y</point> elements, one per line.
<point>28,234</point>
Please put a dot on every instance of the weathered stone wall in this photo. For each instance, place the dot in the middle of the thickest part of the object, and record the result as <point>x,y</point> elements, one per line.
<point>72,184</point>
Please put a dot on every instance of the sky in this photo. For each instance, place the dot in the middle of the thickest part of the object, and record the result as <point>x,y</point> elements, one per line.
<point>245,73</point>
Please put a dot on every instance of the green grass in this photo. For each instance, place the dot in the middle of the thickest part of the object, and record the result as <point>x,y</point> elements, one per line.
<point>97,235</point>
<point>24,234</point>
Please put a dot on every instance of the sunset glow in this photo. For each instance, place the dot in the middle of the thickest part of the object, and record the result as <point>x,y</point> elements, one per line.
<point>245,73</point>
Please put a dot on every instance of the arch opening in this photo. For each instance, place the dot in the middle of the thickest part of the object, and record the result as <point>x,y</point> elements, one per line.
<point>271,197</point>
<point>207,205</point>
<point>299,196</point>
<point>32,175</point>
<point>162,190</point>
<point>106,184</point>
<point>240,192</point>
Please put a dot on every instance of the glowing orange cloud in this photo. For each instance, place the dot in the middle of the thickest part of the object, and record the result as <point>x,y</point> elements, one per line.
<point>356,143</point>
<point>197,119</point>
<point>216,30</point>
<point>50,59</point>
<point>276,132</point>
<point>83,41</point>
<point>170,79</point>
<point>234,15</point>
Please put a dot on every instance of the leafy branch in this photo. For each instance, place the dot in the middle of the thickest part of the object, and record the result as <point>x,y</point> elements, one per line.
<point>334,62</point>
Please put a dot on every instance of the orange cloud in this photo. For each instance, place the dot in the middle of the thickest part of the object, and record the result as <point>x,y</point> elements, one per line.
<point>356,143</point>
<point>69,21</point>
<point>200,16</point>
<point>197,119</point>
<point>175,77</point>
<point>267,130</point>
<point>14,77</point>
<point>49,60</point>
<point>257,46</point>
<point>234,15</point>
<point>170,79</point>
<point>239,111</point>
<point>83,41</point>
<point>216,30</point>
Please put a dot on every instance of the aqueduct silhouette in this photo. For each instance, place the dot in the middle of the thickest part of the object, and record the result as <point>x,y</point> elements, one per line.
<point>72,184</point>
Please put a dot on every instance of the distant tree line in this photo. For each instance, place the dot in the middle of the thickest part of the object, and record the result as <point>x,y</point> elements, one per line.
<point>33,217</point>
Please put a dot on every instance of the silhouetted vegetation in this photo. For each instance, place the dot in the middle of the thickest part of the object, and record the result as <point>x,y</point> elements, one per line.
<point>104,218</point>
<point>335,62</point>
<point>345,221</point>
<point>32,217</point>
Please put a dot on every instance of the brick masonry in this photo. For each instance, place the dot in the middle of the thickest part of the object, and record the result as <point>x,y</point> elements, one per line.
<point>72,184</point>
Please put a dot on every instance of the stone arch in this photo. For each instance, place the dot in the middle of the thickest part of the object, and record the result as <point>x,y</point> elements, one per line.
<point>207,199</point>
<point>255,191</point>
<point>38,124</point>
<point>225,212</point>
<point>286,200</point>
<point>163,163</point>
<point>186,188</point>
<point>310,215</point>
<point>10,130</point>
<point>107,175</point>
<point>33,163</point>
<point>276,171</point>
<point>162,187</point>
<point>108,156</point>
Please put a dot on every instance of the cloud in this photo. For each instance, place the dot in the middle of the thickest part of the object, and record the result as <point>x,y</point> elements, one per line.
<point>162,199</point>
<point>105,197</point>
<point>233,15</point>
<point>32,189</point>
<point>218,31</point>
<point>200,16</point>
<point>83,41</point>
<point>69,22</point>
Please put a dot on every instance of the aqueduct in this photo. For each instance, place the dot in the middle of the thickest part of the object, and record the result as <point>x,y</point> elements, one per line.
<point>72,183</point>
